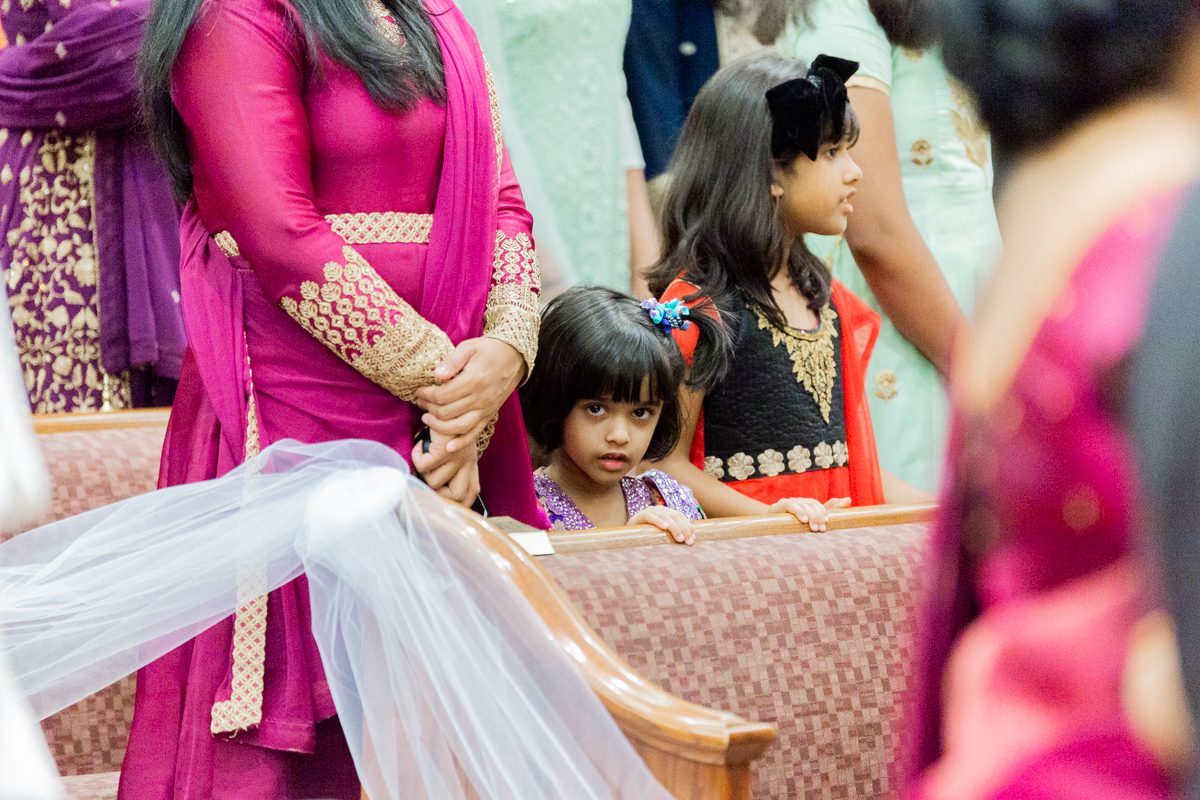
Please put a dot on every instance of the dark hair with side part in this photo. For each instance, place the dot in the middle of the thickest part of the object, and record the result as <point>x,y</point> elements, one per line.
<point>599,344</point>
<point>719,223</point>
<point>1037,67</point>
<point>397,78</point>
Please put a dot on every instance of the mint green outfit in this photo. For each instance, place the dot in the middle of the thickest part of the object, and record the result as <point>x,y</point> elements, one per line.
<point>566,86</point>
<point>946,168</point>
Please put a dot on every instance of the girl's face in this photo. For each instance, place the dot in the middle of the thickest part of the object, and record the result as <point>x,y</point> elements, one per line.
<point>604,439</point>
<point>816,195</point>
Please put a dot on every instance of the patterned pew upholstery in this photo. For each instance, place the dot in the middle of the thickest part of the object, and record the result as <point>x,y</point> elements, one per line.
<point>95,460</point>
<point>809,632</point>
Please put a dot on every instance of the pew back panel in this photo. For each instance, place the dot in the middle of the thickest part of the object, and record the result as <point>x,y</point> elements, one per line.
<point>809,632</point>
<point>94,460</point>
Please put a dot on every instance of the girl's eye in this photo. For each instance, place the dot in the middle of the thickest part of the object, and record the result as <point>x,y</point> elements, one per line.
<point>833,152</point>
<point>643,413</point>
<point>595,408</point>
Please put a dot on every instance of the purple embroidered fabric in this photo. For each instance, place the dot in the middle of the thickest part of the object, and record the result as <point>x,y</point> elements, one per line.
<point>565,515</point>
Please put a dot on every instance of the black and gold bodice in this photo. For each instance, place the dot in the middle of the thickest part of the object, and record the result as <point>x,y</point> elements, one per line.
<point>781,409</point>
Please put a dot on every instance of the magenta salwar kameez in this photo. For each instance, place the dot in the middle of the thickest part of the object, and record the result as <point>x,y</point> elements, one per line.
<point>1037,575</point>
<point>333,252</point>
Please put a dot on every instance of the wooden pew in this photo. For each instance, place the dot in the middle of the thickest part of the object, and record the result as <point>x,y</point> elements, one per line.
<point>716,530</point>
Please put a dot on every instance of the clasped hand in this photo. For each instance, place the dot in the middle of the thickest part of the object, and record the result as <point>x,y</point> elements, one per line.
<point>473,382</point>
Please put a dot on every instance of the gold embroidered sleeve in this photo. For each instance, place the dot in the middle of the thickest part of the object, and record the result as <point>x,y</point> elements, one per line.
<point>512,314</point>
<point>358,316</point>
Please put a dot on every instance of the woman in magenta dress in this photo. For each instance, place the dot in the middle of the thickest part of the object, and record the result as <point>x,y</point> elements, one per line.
<point>1036,582</point>
<point>353,234</point>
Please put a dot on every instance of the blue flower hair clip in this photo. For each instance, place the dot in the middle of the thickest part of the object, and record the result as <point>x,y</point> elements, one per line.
<point>669,315</point>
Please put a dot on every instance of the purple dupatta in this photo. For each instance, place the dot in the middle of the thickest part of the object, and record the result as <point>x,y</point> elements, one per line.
<point>80,76</point>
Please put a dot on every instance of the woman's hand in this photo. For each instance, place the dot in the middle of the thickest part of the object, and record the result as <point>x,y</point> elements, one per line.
<point>454,476</point>
<point>478,377</point>
<point>668,520</point>
<point>810,512</point>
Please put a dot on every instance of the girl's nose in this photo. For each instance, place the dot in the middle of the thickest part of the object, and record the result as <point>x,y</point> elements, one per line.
<point>618,433</point>
<point>854,173</point>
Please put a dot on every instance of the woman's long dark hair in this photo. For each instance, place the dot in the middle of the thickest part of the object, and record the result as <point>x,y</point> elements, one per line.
<point>396,78</point>
<point>720,225</point>
<point>907,23</point>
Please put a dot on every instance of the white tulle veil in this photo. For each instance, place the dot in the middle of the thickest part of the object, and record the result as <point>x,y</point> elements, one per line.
<point>446,683</point>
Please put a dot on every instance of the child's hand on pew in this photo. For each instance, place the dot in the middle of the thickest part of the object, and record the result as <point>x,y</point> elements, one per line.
<point>668,520</point>
<point>810,512</point>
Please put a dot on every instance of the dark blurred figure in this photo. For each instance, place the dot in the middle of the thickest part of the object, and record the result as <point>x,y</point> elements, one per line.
<point>1036,587</point>
<point>89,230</point>
<point>1164,411</point>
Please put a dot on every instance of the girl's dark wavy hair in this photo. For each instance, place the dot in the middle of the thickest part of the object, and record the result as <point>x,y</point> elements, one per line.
<point>719,223</point>
<point>396,78</point>
<point>1037,67</point>
<point>597,343</point>
<point>907,23</point>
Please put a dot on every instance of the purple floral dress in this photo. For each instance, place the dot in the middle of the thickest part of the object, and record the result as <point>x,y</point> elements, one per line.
<point>565,515</point>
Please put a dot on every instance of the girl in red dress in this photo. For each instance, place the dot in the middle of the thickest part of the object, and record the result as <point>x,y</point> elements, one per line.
<point>776,415</point>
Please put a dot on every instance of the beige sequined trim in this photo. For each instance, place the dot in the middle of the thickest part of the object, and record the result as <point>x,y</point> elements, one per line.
<point>357,315</point>
<point>243,709</point>
<point>497,127</point>
<point>382,227</point>
<point>485,438</point>
<point>512,314</point>
<point>813,361</point>
<point>771,463</point>
<point>885,385</point>
<point>922,153</point>
<point>225,241</point>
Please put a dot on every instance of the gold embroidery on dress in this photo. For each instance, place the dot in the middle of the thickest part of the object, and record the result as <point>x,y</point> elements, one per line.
<point>243,709</point>
<point>512,314</point>
<point>967,126</point>
<point>225,241</point>
<point>812,355</point>
<point>358,316</point>
<point>485,437</point>
<point>382,227</point>
<point>497,128</point>
<point>714,466</point>
<point>885,385</point>
<point>922,153</point>
<point>53,276</point>
<point>770,463</point>
<point>740,466</point>
<point>799,459</point>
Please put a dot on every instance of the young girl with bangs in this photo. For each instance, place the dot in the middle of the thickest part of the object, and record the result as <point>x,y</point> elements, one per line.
<point>603,398</point>
<point>775,413</point>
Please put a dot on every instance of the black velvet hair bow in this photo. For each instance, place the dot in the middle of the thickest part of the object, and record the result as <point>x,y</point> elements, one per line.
<point>802,108</point>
